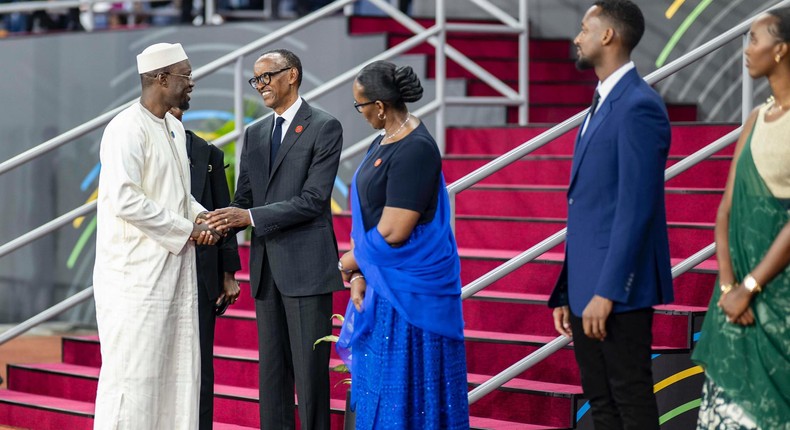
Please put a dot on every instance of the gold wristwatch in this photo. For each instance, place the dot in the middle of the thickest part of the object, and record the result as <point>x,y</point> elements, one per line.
<point>751,284</point>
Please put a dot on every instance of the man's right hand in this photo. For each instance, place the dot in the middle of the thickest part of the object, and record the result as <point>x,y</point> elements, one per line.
<point>202,234</point>
<point>562,320</point>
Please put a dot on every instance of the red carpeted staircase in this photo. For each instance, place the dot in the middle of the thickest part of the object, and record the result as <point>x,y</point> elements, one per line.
<point>507,213</point>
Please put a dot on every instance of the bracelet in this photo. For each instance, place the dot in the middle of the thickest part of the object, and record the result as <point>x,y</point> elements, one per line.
<point>725,288</point>
<point>340,267</point>
<point>355,277</point>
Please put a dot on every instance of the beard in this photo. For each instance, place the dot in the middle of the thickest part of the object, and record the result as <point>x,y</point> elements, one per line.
<point>584,64</point>
<point>184,105</point>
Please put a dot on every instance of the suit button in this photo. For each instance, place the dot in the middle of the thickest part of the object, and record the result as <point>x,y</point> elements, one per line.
<point>570,201</point>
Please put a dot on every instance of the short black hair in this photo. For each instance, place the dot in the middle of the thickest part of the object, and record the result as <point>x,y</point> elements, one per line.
<point>385,82</point>
<point>291,60</point>
<point>782,28</point>
<point>627,19</point>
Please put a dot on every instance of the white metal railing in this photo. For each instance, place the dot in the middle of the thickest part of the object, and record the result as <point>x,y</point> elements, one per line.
<point>434,35</point>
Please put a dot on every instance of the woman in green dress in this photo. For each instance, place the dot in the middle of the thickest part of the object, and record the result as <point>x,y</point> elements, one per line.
<point>744,346</point>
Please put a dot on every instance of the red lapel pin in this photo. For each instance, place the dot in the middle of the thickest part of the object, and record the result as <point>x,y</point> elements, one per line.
<point>298,129</point>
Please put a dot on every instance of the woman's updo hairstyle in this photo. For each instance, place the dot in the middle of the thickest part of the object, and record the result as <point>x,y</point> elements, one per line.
<point>782,28</point>
<point>381,80</point>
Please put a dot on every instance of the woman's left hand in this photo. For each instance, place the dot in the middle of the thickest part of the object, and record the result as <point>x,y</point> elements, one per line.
<point>358,288</point>
<point>735,305</point>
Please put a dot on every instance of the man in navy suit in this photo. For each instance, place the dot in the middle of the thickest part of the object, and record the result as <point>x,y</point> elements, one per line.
<point>617,262</point>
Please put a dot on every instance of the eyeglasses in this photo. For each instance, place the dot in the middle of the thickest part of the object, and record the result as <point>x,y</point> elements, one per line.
<point>265,78</point>
<point>358,106</point>
<point>189,76</point>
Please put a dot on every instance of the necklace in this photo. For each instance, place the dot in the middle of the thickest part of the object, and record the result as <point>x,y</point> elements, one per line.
<point>408,115</point>
<point>775,104</point>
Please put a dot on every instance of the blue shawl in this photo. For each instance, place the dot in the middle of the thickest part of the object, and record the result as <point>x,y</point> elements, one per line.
<point>421,278</point>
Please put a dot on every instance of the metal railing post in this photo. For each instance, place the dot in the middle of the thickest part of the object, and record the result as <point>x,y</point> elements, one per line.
<point>451,197</point>
<point>747,85</point>
<point>238,112</point>
<point>523,63</point>
<point>209,7</point>
<point>441,74</point>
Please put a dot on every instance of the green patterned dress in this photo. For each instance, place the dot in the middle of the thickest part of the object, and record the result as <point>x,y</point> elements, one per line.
<point>748,368</point>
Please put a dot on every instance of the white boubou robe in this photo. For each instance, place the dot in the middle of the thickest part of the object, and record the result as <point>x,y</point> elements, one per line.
<point>145,277</point>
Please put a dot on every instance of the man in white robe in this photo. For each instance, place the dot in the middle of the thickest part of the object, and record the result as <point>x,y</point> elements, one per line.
<point>145,276</point>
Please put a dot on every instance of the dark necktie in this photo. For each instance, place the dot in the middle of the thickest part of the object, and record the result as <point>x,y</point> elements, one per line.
<point>596,98</point>
<point>277,137</point>
<point>593,106</point>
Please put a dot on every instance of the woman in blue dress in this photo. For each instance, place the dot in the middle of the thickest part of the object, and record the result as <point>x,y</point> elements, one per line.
<point>403,333</point>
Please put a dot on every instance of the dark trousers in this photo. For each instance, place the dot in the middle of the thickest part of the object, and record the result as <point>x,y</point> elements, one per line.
<point>287,329</point>
<point>206,322</point>
<point>617,377</point>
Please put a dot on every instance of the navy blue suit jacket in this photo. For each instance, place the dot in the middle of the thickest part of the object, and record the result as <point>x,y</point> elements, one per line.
<point>617,245</point>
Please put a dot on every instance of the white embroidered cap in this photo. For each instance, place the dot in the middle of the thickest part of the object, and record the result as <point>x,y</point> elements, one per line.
<point>160,55</point>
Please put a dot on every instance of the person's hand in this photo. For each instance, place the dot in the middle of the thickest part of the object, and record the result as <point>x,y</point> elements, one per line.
<point>735,304</point>
<point>358,287</point>
<point>562,320</point>
<point>226,218</point>
<point>202,234</point>
<point>230,289</point>
<point>594,317</point>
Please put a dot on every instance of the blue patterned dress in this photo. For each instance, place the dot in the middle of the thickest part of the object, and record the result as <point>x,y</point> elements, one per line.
<point>406,348</point>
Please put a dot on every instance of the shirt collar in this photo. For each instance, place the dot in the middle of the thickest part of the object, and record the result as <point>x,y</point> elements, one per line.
<point>606,87</point>
<point>290,113</point>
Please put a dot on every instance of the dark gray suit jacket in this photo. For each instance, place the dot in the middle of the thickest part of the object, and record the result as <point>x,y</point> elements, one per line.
<point>290,204</point>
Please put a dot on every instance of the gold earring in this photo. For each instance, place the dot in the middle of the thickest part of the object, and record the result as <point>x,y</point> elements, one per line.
<point>382,117</point>
<point>778,58</point>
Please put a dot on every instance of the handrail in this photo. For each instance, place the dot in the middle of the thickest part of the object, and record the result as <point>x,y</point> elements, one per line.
<point>561,341</point>
<point>47,228</point>
<point>47,314</point>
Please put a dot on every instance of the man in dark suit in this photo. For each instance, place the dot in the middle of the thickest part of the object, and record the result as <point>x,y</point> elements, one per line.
<point>617,262</point>
<point>288,167</point>
<point>216,265</point>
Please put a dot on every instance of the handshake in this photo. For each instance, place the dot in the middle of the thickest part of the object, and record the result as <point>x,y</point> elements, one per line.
<point>210,227</point>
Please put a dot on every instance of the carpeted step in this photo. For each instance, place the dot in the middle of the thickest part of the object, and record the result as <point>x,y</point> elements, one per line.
<point>520,233</point>
<point>559,113</point>
<point>555,70</point>
<point>540,93</point>
<point>686,138</point>
<point>33,411</point>
<point>479,423</point>
<point>683,205</point>
<point>556,169</point>
<point>492,46</point>
<point>62,380</point>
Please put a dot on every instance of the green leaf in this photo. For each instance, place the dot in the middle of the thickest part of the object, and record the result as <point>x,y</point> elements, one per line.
<point>330,338</point>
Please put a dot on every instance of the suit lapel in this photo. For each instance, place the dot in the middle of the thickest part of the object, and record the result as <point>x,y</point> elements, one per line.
<point>198,165</point>
<point>584,141</point>
<point>301,121</point>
